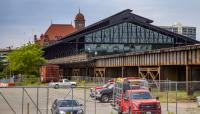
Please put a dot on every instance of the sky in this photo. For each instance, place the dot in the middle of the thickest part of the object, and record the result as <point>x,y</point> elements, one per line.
<point>20,20</point>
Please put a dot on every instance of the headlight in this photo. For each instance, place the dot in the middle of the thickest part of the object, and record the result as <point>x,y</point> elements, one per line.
<point>98,93</point>
<point>91,89</point>
<point>80,111</point>
<point>62,112</point>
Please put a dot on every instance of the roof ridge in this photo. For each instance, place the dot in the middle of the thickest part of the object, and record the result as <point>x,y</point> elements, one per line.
<point>57,25</point>
<point>60,24</point>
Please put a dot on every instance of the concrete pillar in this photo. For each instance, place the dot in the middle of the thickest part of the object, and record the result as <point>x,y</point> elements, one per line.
<point>122,71</point>
<point>161,78</point>
<point>161,73</point>
<point>189,87</point>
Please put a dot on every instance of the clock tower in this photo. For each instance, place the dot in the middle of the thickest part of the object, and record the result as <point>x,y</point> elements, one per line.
<point>79,21</point>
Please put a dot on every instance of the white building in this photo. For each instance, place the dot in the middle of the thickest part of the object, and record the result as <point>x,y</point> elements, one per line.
<point>183,30</point>
<point>3,54</point>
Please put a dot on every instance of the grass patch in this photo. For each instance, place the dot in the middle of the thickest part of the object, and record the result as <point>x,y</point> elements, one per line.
<point>181,96</point>
<point>30,81</point>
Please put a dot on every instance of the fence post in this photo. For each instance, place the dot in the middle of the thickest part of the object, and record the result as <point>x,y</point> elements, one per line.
<point>27,108</point>
<point>167,94</point>
<point>23,100</point>
<point>176,98</point>
<point>47,100</point>
<point>85,99</point>
<point>37,99</point>
<point>95,102</point>
<point>72,99</point>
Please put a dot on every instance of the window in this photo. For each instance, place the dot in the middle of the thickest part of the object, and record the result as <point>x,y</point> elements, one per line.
<point>141,95</point>
<point>88,38</point>
<point>115,34</point>
<point>98,36</point>
<point>67,103</point>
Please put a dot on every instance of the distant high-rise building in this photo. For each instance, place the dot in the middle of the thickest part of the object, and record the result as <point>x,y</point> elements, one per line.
<point>3,54</point>
<point>183,30</point>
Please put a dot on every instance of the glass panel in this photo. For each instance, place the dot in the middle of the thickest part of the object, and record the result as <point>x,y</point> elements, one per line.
<point>98,36</point>
<point>88,38</point>
<point>125,33</point>
<point>160,40</point>
<point>115,39</point>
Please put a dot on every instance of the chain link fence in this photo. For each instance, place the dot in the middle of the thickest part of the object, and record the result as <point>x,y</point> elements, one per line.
<point>175,98</point>
<point>39,100</point>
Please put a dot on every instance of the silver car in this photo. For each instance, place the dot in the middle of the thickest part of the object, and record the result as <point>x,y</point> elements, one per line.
<point>62,83</point>
<point>66,107</point>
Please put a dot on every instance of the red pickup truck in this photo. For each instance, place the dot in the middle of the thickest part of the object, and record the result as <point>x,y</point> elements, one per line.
<point>139,102</point>
<point>133,96</point>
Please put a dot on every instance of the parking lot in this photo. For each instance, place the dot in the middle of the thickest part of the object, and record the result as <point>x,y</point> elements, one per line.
<point>28,100</point>
<point>14,97</point>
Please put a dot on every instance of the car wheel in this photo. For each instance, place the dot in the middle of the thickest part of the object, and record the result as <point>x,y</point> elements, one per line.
<point>56,86</point>
<point>130,111</point>
<point>119,112</point>
<point>51,111</point>
<point>105,98</point>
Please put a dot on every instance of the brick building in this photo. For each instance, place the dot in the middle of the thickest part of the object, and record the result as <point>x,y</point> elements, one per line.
<point>58,31</point>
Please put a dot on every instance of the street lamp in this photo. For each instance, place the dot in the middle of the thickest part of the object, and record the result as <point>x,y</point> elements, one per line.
<point>123,63</point>
<point>86,72</point>
<point>95,53</point>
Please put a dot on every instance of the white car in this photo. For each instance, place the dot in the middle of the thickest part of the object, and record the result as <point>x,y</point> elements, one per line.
<point>62,83</point>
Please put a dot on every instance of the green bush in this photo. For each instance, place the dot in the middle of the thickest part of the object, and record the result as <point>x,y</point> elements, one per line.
<point>2,74</point>
<point>29,80</point>
<point>170,112</point>
<point>83,82</point>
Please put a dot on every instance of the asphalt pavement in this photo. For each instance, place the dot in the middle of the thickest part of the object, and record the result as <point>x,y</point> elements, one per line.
<point>28,99</point>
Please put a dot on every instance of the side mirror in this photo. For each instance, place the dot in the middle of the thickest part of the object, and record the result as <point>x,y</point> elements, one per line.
<point>157,98</point>
<point>54,105</point>
<point>150,89</point>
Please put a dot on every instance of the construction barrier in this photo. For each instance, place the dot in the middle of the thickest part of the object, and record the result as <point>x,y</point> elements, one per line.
<point>6,84</point>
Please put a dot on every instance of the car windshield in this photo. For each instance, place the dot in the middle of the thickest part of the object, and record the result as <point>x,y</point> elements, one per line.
<point>111,86</point>
<point>106,85</point>
<point>67,103</point>
<point>66,80</point>
<point>141,95</point>
<point>139,83</point>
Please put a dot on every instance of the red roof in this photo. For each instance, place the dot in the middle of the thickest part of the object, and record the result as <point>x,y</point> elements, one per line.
<point>55,32</point>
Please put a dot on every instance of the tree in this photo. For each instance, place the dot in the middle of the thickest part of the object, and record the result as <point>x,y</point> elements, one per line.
<point>26,59</point>
<point>1,65</point>
<point>1,68</point>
